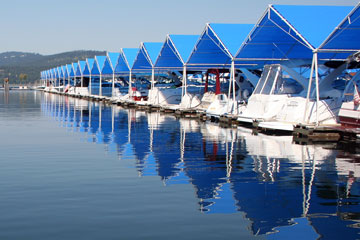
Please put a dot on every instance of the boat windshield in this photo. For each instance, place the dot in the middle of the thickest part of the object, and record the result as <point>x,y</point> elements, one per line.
<point>275,80</point>
<point>350,90</point>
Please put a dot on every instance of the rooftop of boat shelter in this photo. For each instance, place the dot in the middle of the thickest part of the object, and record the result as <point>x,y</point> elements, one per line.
<point>344,38</point>
<point>67,70</point>
<point>283,33</point>
<point>218,44</point>
<point>52,72</point>
<point>290,33</point>
<point>73,69</point>
<point>57,72</point>
<point>63,71</point>
<point>80,68</point>
<point>60,73</point>
<point>146,57</point>
<point>88,65</point>
<point>98,64</point>
<point>126,60</point>
<point>175,51</point>
<point>110,62</point>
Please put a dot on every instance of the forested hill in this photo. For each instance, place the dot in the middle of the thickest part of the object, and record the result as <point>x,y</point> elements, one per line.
<point>12,64</point>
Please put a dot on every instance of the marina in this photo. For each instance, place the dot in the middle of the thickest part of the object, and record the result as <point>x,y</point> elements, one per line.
<point>246,130</point>
<point>302,80</point>
<point>99,170</point>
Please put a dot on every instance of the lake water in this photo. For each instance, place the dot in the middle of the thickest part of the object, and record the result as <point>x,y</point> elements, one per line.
<point>73,169</point>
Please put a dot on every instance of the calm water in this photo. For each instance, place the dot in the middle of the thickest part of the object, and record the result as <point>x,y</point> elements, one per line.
<point>72,169</point>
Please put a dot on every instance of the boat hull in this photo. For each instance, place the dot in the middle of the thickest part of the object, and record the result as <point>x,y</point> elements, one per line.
<point>349,115</point>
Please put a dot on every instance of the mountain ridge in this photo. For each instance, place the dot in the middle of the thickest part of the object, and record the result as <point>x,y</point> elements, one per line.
<point>14,63</point>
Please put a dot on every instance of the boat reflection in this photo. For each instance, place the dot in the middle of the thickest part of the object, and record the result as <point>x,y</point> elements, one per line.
<point>281,187</point>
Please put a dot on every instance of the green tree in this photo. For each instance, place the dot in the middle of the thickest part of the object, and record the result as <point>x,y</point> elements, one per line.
<point>22,78</point>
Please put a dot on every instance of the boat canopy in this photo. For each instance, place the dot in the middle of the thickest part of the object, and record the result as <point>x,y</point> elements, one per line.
<point>54,70</point>
<point>289,32</point>
<point>59,72</point>
<point>55,73</point>
<point>80,68</point>
<point>218,44</point>
<point>73,69</point>
<point>98,64</point>
<point>63,69</point>
<point>51,74</point>
<point>176,51</point>
<point>89,62</point>
<point>110,62</point>
<point>345,37</point>
<point>67,70</point>
<point>146,57</point>
<point>126,60</point>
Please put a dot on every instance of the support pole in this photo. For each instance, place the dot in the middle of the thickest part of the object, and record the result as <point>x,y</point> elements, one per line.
<point>217,91</point>
<point>309,90</point>
<point>232,77</point>
<point>113,84</point>
<point>317,88</point>
<point>184,85</point>
<point>152,78</point>
<point>90,84</point>
<point>130,84</point>
<point>234,80</point>
<point>206,82</point>
<point>100,86</point>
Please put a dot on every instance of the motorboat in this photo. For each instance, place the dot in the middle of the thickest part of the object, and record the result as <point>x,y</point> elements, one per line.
<point>349,115</point>
<point>224,105</point>
<point>280,100</point>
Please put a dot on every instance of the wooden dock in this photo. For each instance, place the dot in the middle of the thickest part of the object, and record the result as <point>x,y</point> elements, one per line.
<point>316,134</point>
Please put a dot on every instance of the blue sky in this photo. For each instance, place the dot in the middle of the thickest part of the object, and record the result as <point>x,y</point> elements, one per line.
<point>49,26</point>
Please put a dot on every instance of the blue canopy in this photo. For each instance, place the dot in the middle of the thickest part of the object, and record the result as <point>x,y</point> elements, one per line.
<point>345,37</point>
<point>53,73</point>
<point>63,69</point>
<point>89,62</point>
<point>49,73</point>
<point>59,72</point>
<point>126,60</point>
<point>110,62</point>
<point>80,68</point>
<point>176,51</point>
<point>68,70</point>
<point>288,32</point>
<point>218,44</point>
<point>146,57</point>
<point>99,62</point>
<point>73,69</point>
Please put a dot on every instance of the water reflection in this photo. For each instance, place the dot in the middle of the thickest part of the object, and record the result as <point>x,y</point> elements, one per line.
<point>284,189</point>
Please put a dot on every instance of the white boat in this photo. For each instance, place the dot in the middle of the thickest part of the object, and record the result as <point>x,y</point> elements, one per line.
<point>279,101</point>
<point>349,115</point>
<point>223,104</point>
